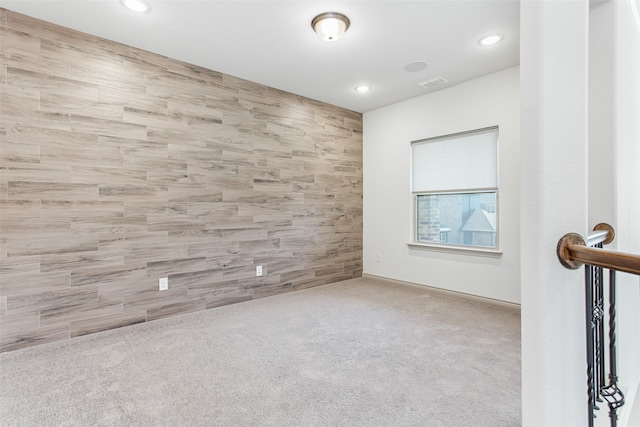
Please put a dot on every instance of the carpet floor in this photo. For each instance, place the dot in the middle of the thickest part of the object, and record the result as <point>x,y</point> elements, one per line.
<point>364,352</point>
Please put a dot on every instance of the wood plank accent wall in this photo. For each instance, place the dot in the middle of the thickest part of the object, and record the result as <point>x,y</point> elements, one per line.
<point>119,167</point>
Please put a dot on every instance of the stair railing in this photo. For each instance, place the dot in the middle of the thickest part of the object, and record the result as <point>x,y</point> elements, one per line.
<point>573,252</point>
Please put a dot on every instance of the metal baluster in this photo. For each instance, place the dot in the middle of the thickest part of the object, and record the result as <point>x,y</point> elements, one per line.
<point>589,329</point>
<point>612,394</point>
<point>613,367</point>
<point>599,331</point>
<point>572,254</point>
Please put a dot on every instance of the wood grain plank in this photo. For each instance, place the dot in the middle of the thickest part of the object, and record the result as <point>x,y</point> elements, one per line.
<point>18,153</point>
<point>175,266</point>
<point>21,283</point>
<point>298,285</point>
<point>16,42</point>
<point>104,323</point>
<point>232,297</point>
<point>33,337</point>
<point>73,105</point>
<point>81,208</point>
<point>122,273</point>
<point>55,299</point>
<point>197,197</point>
<point>187,237</point>
<point>71,261</point>
<point>176,308</point>
<point>78,312</point>
<point>267,291</point>
<point>42,81</point>
<point>32,134</point>
<point>118,166</point>
<point>153,253</point>
<point>16,228</point>
<point>21,190</point>
<point>100,126</point>
<point>209,250</point>
<point>99,175</point>
<point>136,192</point>
<point>51,243</point>
<point>110,224</point>
<point>154,299</point>
<point>12,324</point>
<point>35,172</point>
<point>122,241</point>
<point>197,280</point>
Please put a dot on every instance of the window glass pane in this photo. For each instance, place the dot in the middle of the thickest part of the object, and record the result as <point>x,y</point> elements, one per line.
<point>459,219</point>
<point>455,162</point>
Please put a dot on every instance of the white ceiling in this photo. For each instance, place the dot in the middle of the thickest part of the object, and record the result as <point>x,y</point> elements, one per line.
<point>272,43</point>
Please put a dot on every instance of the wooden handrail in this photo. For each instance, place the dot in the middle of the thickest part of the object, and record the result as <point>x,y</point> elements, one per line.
<point>573,252</point>
<point>612,260</point>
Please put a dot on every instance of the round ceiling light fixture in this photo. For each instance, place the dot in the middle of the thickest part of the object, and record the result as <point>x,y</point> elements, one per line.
<point>362,88</point>
<point>330,26</point>
<point>490,40</point>
<point>136,5</point>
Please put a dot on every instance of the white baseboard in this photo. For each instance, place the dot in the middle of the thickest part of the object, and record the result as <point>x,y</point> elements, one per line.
<point>447,291</point>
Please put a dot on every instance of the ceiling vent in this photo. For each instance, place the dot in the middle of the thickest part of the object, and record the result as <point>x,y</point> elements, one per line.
<point>434,82</point>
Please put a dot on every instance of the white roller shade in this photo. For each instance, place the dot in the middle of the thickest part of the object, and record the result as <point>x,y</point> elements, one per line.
<point>455,162</point>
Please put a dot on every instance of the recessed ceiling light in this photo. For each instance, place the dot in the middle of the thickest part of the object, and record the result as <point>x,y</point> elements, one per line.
<point>363,88</point>
<point>136,5</point>
<point>490,40</point>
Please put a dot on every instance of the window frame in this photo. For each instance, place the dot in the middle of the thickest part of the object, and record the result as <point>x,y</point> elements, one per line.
<point>414,243</point>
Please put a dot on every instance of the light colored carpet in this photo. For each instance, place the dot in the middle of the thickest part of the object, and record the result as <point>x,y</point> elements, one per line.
<point>364,352</point>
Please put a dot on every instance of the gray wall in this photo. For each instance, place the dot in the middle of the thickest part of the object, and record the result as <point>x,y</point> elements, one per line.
<point>120,167</point>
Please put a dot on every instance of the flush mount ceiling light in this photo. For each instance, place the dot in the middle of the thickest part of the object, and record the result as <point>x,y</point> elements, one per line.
<point>490,40</point>
<point>330,26</point>
<point>136,5</point>
<point>362,88</point>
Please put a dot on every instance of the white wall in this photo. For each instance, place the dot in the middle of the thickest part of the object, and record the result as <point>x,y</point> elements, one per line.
<point>554,63</point>
<point>614,156</point>
<point>626,28</point>
<point>601,115</point>
<point>486,101</point>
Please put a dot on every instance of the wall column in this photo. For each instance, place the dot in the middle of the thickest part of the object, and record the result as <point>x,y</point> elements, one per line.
<point>626,29</point>
<point>553,65</point>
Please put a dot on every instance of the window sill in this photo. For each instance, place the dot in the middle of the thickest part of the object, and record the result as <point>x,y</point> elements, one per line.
<point>463,250</point>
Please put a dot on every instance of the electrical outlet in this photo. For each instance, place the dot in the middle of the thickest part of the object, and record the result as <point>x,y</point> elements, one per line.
<point>163,283</point>
<point>258,270</point>
<point>378,257</point>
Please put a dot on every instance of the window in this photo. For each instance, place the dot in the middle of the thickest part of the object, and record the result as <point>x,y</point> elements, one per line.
<point>454,182</point>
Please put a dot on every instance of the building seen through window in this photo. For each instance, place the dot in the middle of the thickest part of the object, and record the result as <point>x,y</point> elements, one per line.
<point>458,219</point>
